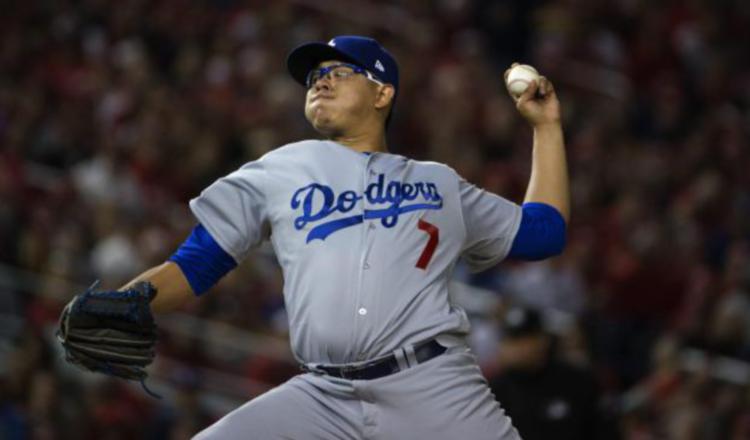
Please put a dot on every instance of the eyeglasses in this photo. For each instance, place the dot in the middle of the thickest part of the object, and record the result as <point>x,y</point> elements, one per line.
<point>338,72</point>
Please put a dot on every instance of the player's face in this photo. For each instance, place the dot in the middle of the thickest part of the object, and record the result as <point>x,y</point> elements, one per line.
<point>340,99</point>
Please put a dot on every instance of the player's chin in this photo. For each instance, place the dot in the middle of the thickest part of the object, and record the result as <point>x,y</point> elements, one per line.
<point>326,129</point>
<point>321,120</point>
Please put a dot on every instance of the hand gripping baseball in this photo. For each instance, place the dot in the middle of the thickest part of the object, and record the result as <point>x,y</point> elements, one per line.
<point>111,332</point>
<point>538,104</point>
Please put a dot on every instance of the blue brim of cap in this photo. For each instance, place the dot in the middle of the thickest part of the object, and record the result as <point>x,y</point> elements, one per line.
<point>304,58</point>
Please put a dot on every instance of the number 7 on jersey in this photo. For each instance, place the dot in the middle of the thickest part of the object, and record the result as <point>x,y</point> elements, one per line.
<point>432,243</point>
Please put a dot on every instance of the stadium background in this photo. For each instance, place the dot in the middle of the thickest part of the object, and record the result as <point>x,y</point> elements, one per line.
<point>114,114</point>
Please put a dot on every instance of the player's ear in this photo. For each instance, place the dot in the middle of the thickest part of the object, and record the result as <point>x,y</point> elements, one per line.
<point>384,96</point>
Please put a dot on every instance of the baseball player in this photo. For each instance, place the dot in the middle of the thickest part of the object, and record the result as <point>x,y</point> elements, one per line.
<point>367,241</point>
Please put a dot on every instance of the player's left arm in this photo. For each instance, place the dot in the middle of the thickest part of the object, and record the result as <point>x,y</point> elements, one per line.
<point>197,265</point>
<point>546,209</point>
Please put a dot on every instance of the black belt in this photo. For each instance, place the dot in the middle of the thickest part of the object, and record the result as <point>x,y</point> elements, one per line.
<point>383,366</point>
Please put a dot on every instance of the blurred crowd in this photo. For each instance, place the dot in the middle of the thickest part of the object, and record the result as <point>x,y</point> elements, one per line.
<point>114,114</point>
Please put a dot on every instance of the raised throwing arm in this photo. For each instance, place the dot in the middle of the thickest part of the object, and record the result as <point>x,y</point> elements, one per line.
<point>549,170</point>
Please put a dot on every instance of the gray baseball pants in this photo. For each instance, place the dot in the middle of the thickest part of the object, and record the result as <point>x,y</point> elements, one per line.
<point>444,398</point>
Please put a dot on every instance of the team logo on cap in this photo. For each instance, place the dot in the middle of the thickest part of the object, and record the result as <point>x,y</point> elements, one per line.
<point>332,43</point>
<point>379,66</point>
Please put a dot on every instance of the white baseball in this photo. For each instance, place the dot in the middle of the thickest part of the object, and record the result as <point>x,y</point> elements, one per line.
<point>519,79</point>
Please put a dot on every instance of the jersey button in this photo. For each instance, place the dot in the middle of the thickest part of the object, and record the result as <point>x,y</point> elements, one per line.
<point>366,266</point>
<point>372,225</point>
<point>362,311</point>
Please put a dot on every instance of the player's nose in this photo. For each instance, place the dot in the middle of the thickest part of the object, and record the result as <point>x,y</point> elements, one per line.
<point>322,83</point>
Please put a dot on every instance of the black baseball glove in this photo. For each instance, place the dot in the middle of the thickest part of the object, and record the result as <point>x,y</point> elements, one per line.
<point>111,332</point>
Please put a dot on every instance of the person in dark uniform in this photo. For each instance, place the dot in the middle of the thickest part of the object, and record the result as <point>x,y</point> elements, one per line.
<point>545,397</point>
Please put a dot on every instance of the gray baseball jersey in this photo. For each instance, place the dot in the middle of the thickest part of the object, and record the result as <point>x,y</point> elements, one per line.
<point>366,242</point>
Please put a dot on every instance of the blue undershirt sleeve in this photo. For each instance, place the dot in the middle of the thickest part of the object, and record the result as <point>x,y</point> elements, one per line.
<point>541,233</point>
<point>202,260</point>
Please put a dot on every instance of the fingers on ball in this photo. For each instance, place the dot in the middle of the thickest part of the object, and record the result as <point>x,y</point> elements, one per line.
<point>546,87</point>
<point>527,94</point>
<point>532,88</point>
<point>543,86</point>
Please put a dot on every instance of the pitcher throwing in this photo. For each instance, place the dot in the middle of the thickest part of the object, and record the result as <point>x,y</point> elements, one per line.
<point>367,241</point>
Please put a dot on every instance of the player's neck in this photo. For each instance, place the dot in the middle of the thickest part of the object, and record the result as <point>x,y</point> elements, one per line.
<point>364,141</point>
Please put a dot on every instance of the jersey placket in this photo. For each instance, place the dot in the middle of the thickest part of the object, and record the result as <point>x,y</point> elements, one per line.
<point>362,324</point>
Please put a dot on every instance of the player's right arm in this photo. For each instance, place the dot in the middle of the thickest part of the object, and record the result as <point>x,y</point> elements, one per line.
<point>497,228</point>
<point>549,182</point>
<point>546,208</point>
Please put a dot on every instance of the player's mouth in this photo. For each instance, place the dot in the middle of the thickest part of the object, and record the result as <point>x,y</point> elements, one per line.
<point>321,96</point>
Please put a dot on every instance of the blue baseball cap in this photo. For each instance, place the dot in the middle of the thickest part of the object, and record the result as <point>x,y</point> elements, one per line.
<point>361,51</point>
